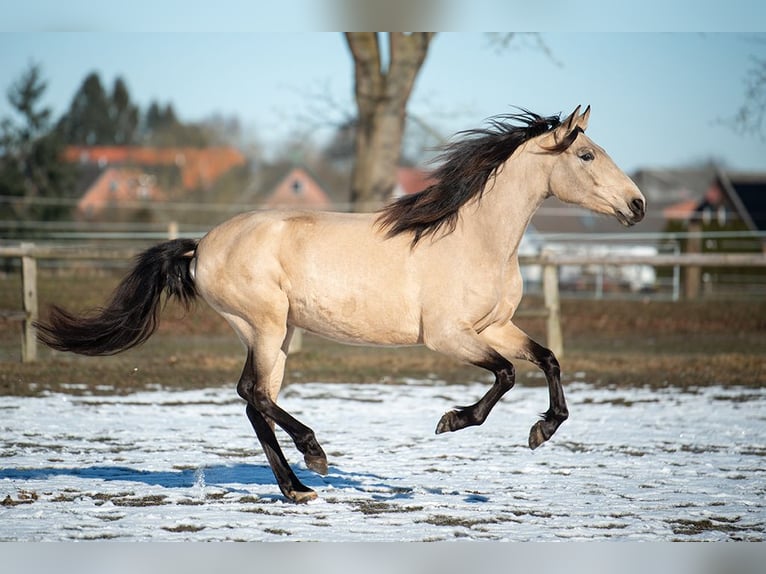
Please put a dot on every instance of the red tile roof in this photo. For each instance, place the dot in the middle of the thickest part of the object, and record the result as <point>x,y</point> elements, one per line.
<point>199,167</point>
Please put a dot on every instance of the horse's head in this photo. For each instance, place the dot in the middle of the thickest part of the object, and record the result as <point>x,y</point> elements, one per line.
<point>585,175</point>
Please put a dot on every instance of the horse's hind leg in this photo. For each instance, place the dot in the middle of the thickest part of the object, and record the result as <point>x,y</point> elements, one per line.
<point>288,483</point>
<point>303,437</point>
<point>264,400</point>
<point>259,386</point>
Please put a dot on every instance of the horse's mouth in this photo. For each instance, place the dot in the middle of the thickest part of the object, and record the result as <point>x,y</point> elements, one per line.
<point>626,220</point>
<point>637,213</point>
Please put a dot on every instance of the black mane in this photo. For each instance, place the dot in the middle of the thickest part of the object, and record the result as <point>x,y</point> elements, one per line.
<point>465,167</point>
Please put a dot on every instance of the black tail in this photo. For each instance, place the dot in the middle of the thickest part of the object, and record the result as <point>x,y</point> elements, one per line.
<point>132,314</point>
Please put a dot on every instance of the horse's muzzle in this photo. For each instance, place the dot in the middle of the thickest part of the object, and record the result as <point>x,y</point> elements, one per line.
<point>637,209</point>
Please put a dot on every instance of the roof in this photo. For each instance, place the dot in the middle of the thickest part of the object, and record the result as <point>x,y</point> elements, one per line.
<point>663,187</point>
<point>297,187</point>
<point>682,210</point>
<point>747,193</point>
<point>199,167</point>
<point>119,186</point>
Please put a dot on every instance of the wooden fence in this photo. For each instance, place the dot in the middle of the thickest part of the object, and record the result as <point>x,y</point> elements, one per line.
<point>550,263</point>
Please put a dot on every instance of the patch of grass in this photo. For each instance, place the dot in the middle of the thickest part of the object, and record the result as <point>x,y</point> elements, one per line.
<point>720,524</point>
<point>373,507</point>
<point>110,517</point>
<point>93,537</point>
<point>454,521</point>
<point>278,531</point>
<point>23,497</point>
<point>190,502</point>
<point>184,528</point>
<point>149,500</point>
<point>258,510</point>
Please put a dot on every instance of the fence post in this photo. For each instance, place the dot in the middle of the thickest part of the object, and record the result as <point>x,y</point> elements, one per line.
<point>29,297</point>
<point>296,343</point>
<point>551,296</point>
<point>693,273</point>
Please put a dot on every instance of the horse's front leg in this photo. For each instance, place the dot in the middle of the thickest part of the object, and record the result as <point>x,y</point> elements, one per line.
<point>467,344</point>
<point>513,342</point>
<point>557,411</point>
<point>490,350</point>
<point>477,413</point>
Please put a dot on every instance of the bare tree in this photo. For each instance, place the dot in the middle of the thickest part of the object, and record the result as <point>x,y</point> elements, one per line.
<point>504,41</point>
<point>382,90</point>
<point>751,116</point>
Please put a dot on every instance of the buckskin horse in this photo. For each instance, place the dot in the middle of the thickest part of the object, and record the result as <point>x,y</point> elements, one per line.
<point>437,268</point>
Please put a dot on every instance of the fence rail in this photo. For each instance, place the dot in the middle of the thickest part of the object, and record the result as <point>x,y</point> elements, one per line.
<point>30,253</point>
<point>670,260</point>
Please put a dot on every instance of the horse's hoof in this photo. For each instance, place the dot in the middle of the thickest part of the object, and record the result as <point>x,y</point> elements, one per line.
<point>302,496</point>
<point>536,435</point>
<point>316,463</point>
<point>448,422</point>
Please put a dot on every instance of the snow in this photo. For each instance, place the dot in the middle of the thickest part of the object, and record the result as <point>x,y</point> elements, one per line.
<point>630,464</point>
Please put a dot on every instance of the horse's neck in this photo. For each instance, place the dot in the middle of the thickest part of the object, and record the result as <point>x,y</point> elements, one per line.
<point>502,214</point>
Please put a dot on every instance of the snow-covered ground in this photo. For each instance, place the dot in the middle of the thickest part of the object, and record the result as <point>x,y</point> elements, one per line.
<point>630,464</point>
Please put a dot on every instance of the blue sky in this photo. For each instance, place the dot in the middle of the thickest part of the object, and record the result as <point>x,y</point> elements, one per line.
<point>658,98</point>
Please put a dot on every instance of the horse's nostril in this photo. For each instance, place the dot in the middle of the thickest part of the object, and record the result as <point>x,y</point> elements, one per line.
<point>637,206</point>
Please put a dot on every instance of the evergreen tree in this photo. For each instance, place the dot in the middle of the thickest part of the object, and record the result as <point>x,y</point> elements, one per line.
<point>96,117</point>
<point>164,129</point>
<point>88,121</point>
<point>32,174</point>
<point>124,115</point>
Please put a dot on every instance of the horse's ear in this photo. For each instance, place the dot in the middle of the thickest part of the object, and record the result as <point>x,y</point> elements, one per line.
<point>582,121</point>
<point>569,124</point>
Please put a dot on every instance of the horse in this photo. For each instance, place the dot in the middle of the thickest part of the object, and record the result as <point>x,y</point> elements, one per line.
<point>437,268</point>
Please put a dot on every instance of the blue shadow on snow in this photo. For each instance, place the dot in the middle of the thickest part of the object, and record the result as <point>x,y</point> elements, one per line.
<point>219,475</point>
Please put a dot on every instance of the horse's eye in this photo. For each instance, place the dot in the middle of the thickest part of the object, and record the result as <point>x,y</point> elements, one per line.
<point>587,156</point>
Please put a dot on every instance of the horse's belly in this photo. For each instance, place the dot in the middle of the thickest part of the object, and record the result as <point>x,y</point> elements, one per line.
<point>353,321</point>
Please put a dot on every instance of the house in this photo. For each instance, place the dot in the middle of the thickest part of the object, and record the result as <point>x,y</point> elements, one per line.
<point>297,186</point>
<point>199,168</point>
<point>119,186</point>
<point>133,178</point>
<point>289,186</point>
<point>732,200</point>
<point>736,196</point>
<point>747,194</point>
